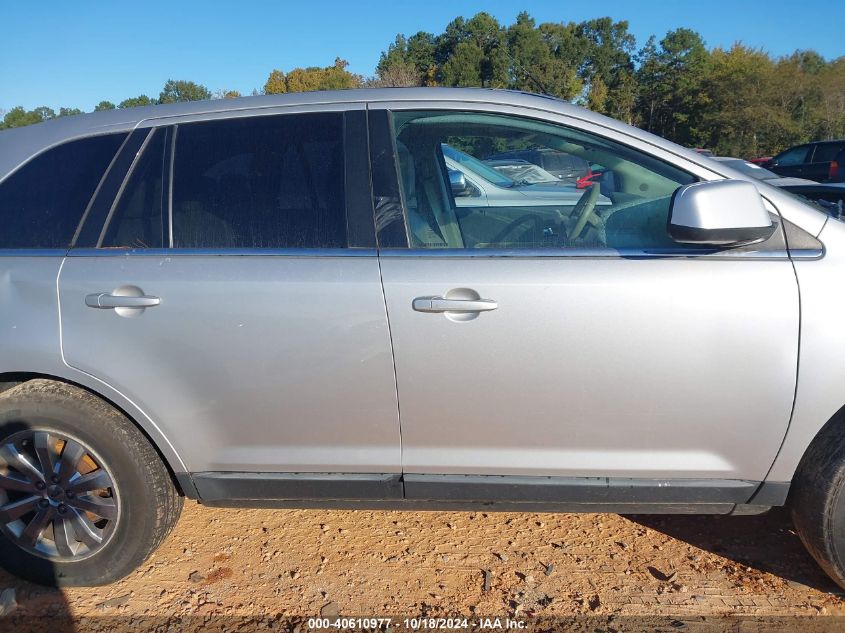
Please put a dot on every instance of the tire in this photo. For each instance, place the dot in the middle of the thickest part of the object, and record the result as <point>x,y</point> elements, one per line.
<point>817,501</point>
<point>142,502</point>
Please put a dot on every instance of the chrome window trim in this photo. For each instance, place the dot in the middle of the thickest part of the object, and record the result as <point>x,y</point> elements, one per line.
<point>403,252</point>
<point>807,253</point>
<point>122,188</point>
<point>587,253</point>
<point>33,252</point>
<point>220,252</point>
<point>171,158</point>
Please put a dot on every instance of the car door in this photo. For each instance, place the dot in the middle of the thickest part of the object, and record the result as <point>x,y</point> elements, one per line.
<point>232,291</point>
<point>608,351</point>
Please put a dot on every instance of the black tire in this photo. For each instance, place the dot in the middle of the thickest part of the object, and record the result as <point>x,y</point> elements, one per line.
<point>149,502</point>
<point>817,501</point>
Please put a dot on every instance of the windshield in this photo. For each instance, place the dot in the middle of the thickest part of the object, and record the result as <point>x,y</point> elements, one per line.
<point>476,166</point>
<point>749,169</point>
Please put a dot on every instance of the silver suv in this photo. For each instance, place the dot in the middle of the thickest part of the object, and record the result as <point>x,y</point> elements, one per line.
<point>278,302</point>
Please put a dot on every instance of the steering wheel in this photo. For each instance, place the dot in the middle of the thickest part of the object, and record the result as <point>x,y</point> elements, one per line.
<point>584,208</point>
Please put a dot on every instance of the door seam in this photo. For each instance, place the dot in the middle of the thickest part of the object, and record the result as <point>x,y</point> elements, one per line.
<point>395,378</point>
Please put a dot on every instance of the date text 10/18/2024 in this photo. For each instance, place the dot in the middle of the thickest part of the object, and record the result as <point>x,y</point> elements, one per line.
<point>415,624</point>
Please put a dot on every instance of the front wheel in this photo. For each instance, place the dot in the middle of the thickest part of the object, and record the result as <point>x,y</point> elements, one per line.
<point>817,502</point>
<point>84,497</point>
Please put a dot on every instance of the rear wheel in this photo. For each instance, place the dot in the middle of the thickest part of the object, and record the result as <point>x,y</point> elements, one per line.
<point>84,497</point>
<point>817,502</point>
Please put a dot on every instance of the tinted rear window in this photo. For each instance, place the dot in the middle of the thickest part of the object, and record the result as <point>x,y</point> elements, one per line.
<point>262,182</point>
<point>42,202</point>
<point>827,151</point>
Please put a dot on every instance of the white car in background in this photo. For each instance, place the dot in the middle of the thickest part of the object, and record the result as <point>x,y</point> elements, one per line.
<point>475,183</point>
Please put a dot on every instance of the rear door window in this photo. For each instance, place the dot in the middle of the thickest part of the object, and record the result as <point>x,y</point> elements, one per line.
<point>42,203</point>
<point>260,182</point>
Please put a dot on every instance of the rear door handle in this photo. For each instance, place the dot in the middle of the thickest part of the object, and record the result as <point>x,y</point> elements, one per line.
<point>107,300</point>
<point>439,304</point>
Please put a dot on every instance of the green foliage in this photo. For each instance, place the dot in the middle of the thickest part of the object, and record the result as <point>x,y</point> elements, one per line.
<point>18,117</point>
<point>180,90</point>
<point>540,58</point>
<point>670,99</point>
<point>334,77</point>
<point>134,102</point>
<point>104,105</point>
<point>740,102</point>
<point>473,53</point>
<point>276,83</point>
<point>407,62</point>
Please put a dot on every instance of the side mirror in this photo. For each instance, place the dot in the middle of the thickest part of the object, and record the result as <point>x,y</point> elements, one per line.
<point>460,187</point>
<point>719,213</point>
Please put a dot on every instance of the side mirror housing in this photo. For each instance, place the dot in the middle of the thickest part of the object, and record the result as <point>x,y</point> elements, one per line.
<point>459,184</point>
<point>719,213</point>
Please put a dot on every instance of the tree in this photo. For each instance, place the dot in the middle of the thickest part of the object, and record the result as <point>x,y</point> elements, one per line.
<point>396,75</point>
<point>181,90</point>
<point>608,57</point>
<point>670,100</point>
<point>474,53</point>
<point>69,111</point>
<point>18,117</point>
<point>407,62</point>
<point>104,105</point>
<point>740,119</point>
<point>134,102</point>
<point>538,60</point>
<point>276,83</point>
<point>334,77</point>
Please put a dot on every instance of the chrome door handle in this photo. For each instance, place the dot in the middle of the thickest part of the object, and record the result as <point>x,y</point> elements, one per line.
<point>106,300</point>
<point>439,304</point>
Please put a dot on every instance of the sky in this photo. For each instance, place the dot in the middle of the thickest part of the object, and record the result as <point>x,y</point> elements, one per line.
<point>75,54</point>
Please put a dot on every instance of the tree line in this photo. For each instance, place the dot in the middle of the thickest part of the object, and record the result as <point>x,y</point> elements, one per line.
<point>738,101</point>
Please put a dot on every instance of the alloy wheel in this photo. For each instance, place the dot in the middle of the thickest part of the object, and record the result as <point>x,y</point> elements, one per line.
<point>57,499</point>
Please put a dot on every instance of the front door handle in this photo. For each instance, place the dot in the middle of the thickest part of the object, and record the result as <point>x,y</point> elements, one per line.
<point>107,300</point>
<point>439,304</point>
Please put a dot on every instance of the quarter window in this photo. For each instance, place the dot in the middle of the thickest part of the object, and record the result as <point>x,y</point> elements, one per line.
<point>477,180</point>
<point>42,203</point>
<point>262,182</point>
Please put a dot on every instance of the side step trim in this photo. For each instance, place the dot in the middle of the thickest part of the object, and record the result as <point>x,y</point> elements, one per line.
<point>577,489</point>
<point>590,493</point>
<point>218,486</point>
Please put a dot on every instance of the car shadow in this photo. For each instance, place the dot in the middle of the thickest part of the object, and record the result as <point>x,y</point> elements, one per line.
<point>766,542</point>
